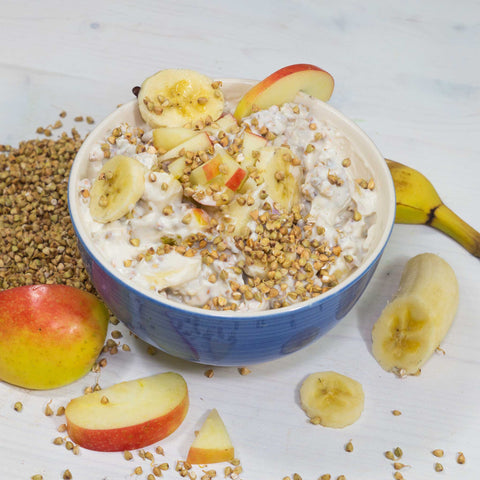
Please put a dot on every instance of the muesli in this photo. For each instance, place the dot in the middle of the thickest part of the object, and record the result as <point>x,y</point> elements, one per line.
<point>224,214</point>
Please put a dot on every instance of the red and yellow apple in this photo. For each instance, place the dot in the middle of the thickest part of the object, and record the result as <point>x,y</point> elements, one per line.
<point>212,444</point>
<point>50,335</point>
<point>128,415</point>
<point>283,85</point>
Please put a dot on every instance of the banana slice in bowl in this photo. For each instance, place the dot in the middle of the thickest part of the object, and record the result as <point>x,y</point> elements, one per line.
<point>282,179</point>
<point>117,188</point>
<point>332,399</point>
<point>175,97</point>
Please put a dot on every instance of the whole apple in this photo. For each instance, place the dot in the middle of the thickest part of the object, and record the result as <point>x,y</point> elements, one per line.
<point>50,335</point>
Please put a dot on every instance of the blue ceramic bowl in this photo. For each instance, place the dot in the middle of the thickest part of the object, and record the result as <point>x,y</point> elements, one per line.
<point>232,338</point>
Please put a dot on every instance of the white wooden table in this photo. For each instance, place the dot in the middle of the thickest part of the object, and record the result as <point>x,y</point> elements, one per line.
<point>408,73</point>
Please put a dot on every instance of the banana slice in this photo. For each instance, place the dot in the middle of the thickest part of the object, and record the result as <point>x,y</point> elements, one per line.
<point>281,178</point>
<point>412,326</point>
<point>331,399</point>
<point>172,271</point>
<point>174,97</point>
<point>117,188</point>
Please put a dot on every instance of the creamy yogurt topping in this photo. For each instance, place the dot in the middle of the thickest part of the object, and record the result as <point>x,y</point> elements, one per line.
<point>186,251</point>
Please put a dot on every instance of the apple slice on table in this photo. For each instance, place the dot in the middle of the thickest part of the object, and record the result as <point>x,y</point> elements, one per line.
<point>166,138</point>
<point>200,142</point>
<point>128,415</point>
<point>283,85</point>
<point>212,444</point>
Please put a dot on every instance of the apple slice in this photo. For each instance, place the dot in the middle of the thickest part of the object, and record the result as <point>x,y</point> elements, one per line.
<point>251,143</point>
<point>236,180</point>
<point>212,444</point>
<point>283,85</point>
<point>201,217</point>
<point>207,172</point>
<point>166,138</point>
<point>177,167</point>
<point>226,124</point>
<point>198,143</point>
<point>128,415</point>
<point>233,173</point>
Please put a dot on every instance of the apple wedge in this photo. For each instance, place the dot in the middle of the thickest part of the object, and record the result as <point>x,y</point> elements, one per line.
<point>283,85</point>
<point>199,142</point>
<point>128,415</point>
<point>251,143</point>
<point>177,167</point>
<point>166,138</point>
<point>227,123</point>
<point>212,444</point>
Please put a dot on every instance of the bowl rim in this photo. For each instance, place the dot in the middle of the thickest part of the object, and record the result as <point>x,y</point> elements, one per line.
<point>82,234</point>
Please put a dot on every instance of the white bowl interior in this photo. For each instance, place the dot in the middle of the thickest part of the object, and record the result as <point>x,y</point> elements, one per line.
<point>372,165</point>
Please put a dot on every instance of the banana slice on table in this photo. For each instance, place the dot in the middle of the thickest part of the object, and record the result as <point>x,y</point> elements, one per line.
<point>117,188</point>
<point>281,178</point>
<point>175,97</point>
<point>413,324</point>
<point>331,399</point>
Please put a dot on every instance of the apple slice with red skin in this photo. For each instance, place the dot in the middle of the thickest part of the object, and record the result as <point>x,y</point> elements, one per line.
<point>235,181</point>
<point>283,85</point>
<point>198,143</point>
<point>177,167</point>
<point>222,169</point>
<point>212,444</point>
<point>234,174</point>
<point>201,217</point>
<point>128,415</point>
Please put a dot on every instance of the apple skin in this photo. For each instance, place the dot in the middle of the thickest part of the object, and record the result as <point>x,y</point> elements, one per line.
<point>237,179</point>
<point>199,456</point>
<point>283,85</point>
<point>50,335</point>
<point>200,141</point>
<point>139,413</point>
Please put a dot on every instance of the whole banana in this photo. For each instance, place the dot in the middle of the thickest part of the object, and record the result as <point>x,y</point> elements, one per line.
<point>419,203</point>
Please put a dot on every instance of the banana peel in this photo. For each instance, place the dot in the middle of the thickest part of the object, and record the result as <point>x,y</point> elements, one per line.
<point>419,203</point>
